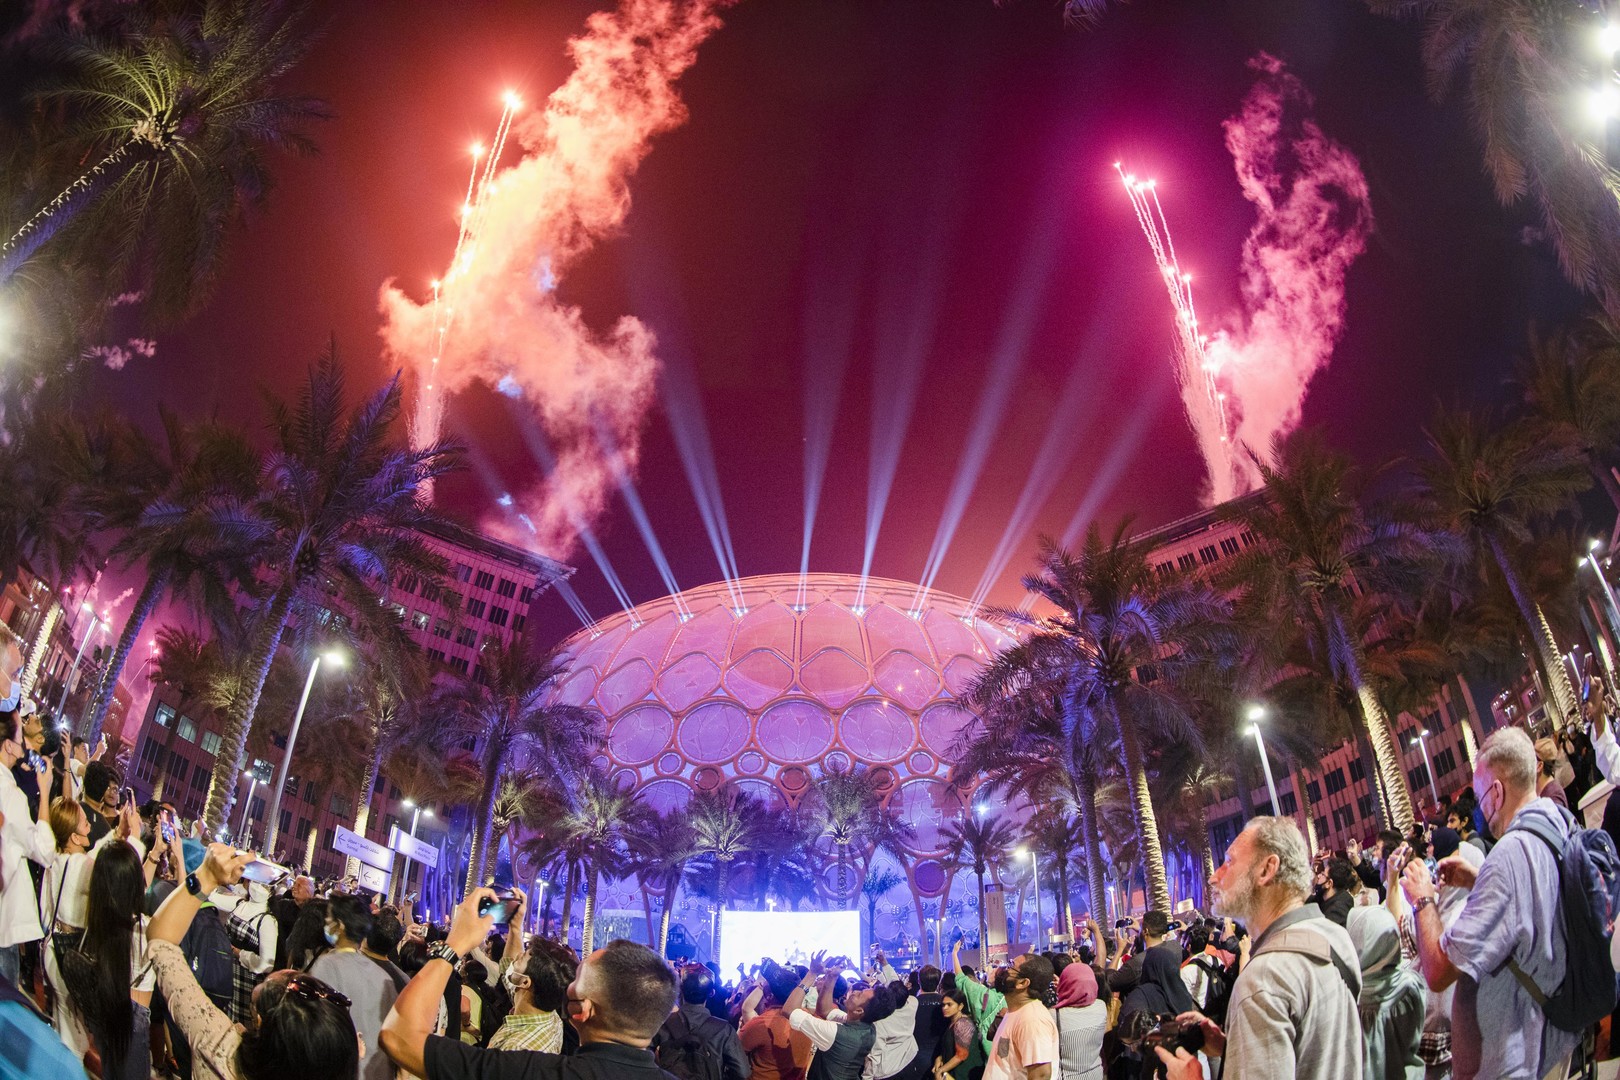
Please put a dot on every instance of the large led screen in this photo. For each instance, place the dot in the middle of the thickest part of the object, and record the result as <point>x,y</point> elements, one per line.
<point>788,937</point>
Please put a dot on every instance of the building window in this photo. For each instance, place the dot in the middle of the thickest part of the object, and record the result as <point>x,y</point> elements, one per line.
<point>1314,790</point>
<point>211,741</point>
<point>408,582</point>
<point>1419,776</point>
<point>450,600</point>
<point>1165,569</point>
<point>441,628</point>
<point>475,609</point>
<point>1343,818</point>
<point>1207,555</point>
<point>187,729</point>
<point>507,589</point>
<point>336,804</point>
<point>1229,547</point>
<point>326,843</point>
<point>459,664</point>
<point>164,715</point>
<point>1290,805</point>
<point>497,615</point>
<point>466,635</point>
<point>1188,561</point>
<point>398,610</point>
<point>1451,709</point>
<point>303,828</point>
<point>419,619</point>
<point>286,822</point>
<point>199,779</point>
<point>431,590</point>
<point>463,572</point>
<point>525,595</point>
<point>1358,771</point>
<point>1335,781</point>
<point>1247,537</point>
<point>1321,828</point>
<point>151,752</point>
<point>1364,806</point>
<point>484,580</point>
<point>1445,762</point>
<point>517,623</point>
<point>436,655</point>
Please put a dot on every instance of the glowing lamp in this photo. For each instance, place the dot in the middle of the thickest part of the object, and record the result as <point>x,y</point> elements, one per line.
<point>1609,39</point>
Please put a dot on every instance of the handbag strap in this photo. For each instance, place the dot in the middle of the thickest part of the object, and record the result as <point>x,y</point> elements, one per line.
<point>61,888</point>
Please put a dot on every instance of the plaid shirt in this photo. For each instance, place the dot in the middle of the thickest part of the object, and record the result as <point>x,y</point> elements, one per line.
<point>245,932</point>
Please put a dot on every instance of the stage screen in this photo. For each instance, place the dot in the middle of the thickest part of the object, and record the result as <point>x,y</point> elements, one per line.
<point>788,937</point>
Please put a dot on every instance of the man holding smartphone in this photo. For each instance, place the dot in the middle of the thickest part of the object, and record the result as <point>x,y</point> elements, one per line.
<point>25,835</point>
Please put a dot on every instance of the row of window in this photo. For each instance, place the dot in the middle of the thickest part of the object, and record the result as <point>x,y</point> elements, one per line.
<point>478,579</point>
<point>1208,553</point>
<point>186,728</point>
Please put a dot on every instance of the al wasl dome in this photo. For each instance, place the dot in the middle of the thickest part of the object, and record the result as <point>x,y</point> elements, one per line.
<point>772,680</point>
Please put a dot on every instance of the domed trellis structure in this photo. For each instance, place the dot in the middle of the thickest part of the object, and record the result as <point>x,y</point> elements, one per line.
<point>772,680</point>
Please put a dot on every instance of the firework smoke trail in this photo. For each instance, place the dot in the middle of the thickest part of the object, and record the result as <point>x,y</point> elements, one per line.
<point>1243,385</point>
<point>532,222</point>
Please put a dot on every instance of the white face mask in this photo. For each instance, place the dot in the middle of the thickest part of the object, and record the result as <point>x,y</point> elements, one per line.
<point>510,976</point>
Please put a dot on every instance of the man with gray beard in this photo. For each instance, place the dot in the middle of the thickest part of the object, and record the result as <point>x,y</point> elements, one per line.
<point>1294,1009</point>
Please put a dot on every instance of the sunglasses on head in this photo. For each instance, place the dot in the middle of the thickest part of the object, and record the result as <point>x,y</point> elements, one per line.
<point>312,989</point>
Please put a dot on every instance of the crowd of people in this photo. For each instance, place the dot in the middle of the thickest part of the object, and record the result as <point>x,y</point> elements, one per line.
<point>130,950</point>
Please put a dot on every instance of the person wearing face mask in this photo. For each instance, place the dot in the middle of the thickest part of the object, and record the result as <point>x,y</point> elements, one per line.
<point>538,982</point>
<point>369,989</point>
<point>845,1035</point>
<point>620,996</point>
<point>1026,1044</point>
<point>25,832</point>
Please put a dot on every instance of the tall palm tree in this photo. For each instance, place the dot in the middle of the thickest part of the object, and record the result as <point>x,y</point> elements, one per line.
<point>1318,552</point>
<point>1489,485</point>
<point>344,507</point>
<point>393,680</point>
<point>1571,381</point>
<point>605,815</point>
<point>661,846</point>
<point>846,805</point>
<point>330,764</point>
<point>728,824</point>
<point>879,880</point>
<point>1056,837</point>
<point>44,519</point>
<point>181,509</point>
<point>979,841</point>
<point>511,715</point>
<point>1126,640</point>
<point>176,116</point>
<point>1526,67</point>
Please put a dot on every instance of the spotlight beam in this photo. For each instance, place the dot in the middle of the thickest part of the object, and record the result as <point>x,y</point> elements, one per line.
<point>638,511</point>
<point>575,604</point>
<point>684,406</point>
<point>1121,451</point>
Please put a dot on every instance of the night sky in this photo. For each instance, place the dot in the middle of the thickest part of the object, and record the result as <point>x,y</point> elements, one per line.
<point>905,163</point>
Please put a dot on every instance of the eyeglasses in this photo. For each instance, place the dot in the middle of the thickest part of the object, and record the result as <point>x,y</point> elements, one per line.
<point>313,989</point>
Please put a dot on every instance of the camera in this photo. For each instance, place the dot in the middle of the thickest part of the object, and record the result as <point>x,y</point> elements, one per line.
<point>1172,1034</point>
<point>501,908</point>
<point>1120,924</point>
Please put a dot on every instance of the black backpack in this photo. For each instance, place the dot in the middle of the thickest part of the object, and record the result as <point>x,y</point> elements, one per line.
<point>207,948</point>
<point>688,1053</point>
<point>1220,989</point>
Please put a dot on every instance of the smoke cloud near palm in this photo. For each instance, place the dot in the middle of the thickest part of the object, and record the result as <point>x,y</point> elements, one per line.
<point>1313,218</point>
<point>508,326</point>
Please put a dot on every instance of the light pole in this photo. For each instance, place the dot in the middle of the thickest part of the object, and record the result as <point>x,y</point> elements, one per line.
<point>1035,882</point>
<point>1420,740</point>
<point>1256,714</point>
<point>67,684</point>
<point>1611,612</point>
<point>272,828</point>
<point>253,782</point>
<point>539,900</point>
<point>404,883</point>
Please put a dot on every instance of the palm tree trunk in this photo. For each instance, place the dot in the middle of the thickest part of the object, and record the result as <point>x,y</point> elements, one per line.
<point>1245,792</point>
<point>40,647</point>
<point>1063,924</point>
<point>722,869</point>
<point>568,903</point>
<point>1375,722</point>
<point>1206,856</point>
<point>484,823</point>
<point>368,787</point>
<point>156,585</point>
<point>1312,841</point>
<point>984,927</point>
<point>589,933</point>
<point>672,889</point>
<point>60,211</point>
<point>1147,823</point>
<point>1562,708</point>
<point>1096,873</point>
<point>311,839</point>
<point>239,718</point>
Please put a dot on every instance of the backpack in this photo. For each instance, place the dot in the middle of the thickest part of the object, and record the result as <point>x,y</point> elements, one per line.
<point>207,948</point>
<point>1218,989</point>
<point>32,1047</point>
<point>1588,899</point>
<point>685,1053</point>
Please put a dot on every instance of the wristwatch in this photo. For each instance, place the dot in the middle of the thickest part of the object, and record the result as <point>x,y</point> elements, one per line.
<point>439,950</point>
<point>193,886</point>
<point>1427,901</point>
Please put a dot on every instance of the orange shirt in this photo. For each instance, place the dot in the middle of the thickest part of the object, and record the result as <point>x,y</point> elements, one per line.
<point>774,1049</point>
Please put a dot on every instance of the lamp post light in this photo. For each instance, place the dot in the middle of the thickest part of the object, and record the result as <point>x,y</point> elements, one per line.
<point>1420,740</point>
<point>540,899</point>
<point>1035,882</point>
<point>404,877</point>
<point>334,658</point>
<point>67,684</point>
<point>1256,714</point>
<point>253,782</point>
<point>1611,612</point>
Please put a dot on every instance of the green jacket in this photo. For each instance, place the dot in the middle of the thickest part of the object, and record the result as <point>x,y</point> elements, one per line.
<point>986,1005</point>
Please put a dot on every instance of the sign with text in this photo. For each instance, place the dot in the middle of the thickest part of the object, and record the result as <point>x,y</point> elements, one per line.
<point>358,847</point>
<point>412,848</point>
<point>995,920</point>
<point>372,878</point>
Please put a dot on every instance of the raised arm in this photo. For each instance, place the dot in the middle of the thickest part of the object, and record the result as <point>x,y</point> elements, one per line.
<point>416,1009</point>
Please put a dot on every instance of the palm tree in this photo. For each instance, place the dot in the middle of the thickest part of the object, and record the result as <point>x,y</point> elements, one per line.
<point>846,806</point>
<point>329,762</point>
<point>727,824</point>
<point>1571,381</point>
<point>1318,551</point>
<point>661,847</point>
<point>1524,65</point>
<point>1126,640</point>
<point>44,522</point>
<point>344,507</point>
<point>978,842</point>
<point>181,509</point>
<point>176,117</point>
<point>393,680</point>
<point>878,881</point>
<point>1489,485</point>
<point>511,716</point>
<point>605,815</point>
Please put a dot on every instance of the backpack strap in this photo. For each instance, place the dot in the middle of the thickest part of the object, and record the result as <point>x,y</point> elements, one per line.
<point>1299,939</point>
<point>1539,828</point>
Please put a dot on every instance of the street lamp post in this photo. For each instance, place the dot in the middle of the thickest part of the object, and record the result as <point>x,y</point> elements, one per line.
<point>403,879</point>
<point>253,782</point>
<point>67,684</point>
<point>272,828</point>
<point>1421,741</point>
<point>1611,612</point>
<point>539,900</point>
<point>1035,882</point>
<point>1256,714</point>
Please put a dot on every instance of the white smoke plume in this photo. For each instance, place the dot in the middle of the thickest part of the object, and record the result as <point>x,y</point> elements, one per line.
<point>116,356</point>
<point>568,192</point>
<point>1313,219</point>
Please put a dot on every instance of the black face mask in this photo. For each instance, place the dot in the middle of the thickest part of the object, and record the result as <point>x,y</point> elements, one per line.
<point>1482,827</point>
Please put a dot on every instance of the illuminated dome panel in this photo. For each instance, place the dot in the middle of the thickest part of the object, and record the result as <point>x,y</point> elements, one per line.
<point>809,673</point>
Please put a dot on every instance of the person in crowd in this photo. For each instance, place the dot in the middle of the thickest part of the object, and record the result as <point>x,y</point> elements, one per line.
<point>100,798</point>
<point>775,1051</point>
<point>307,939</point>
<point>1203,972</point>
<point>691,1031</point>
<point>1392,998</point>
<point>108,982</point>
<point>1160,992</point>
<point>1155,935</point>
<point>1511,915</point>
<point>287,908</point>
<point>475,1023</point>
<point>538,982</point>
<point>1547,764</point>
<point>25,832</point>
<point>1082,1021</point>
<point>1435,1045</point>
<point>1336,889</point>
<point>928,1027</point>
<point>985,1003</point>
<point>379,947</point>
<point>24,773</point>
<point>1026,1042</point>
<point>369,989</point>
<point>302,1026</point>
<point>1295,1009</point>
<point>618,1000</point>
<point>896,1045</point>
<point>255,935</point>
<point>843,1026</point>
<point>961,1051</point>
